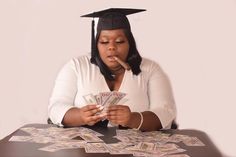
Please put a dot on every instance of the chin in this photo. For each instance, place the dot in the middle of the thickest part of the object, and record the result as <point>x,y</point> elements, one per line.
<point>112,66</point>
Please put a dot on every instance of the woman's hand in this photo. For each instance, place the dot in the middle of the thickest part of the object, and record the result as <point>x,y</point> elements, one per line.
<point>119,114</point>
<point>88,114</point>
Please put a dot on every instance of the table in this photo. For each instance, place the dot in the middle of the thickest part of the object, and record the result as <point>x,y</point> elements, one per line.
<point>25,149</point>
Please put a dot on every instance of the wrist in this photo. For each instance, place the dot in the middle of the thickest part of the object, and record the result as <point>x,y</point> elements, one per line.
<point>135,121</point>
<point>141,121</point>
<point>80,119</point>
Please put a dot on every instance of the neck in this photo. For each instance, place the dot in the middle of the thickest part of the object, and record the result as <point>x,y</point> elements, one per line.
<point>118,70</point>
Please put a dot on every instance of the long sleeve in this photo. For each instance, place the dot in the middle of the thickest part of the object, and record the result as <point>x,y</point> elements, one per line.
<point>160,96</point>
<point>64,92</point>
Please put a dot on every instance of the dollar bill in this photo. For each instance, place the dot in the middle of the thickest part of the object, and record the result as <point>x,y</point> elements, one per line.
<point>96,148</point>
<point>90,137</point>
<point>177,138</point>
<point>111,99</point>
<point>90,99</point>
<point>178,155</point>
<point>193,141</point>
<point>20,138</point>
<point>118,148</point>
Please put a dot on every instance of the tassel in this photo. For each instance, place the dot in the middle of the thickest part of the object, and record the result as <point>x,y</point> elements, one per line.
<point>93,37</point>
<point>93,44</point>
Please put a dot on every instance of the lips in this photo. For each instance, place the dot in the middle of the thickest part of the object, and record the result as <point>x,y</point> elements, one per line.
<point>111,58</point>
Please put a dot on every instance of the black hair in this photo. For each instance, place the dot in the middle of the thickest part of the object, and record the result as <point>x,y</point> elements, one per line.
<point>133,59</point>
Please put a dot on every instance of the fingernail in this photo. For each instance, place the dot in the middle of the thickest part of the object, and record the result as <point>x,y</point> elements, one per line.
<point>103,114</point>
<point>98,106</point>
<point>101,108</point>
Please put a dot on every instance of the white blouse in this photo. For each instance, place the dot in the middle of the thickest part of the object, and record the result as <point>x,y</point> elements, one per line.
<point>148,91</point>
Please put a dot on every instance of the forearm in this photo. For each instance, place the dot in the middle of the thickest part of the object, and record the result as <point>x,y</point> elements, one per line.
<point>72,118</point>
<point>150,121</point>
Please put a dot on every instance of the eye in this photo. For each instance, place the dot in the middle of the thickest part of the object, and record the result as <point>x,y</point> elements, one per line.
<point>103,42</point>
<point>120,41</point>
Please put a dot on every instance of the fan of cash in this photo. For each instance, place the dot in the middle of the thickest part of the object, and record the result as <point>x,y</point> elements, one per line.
<point>105,99</point>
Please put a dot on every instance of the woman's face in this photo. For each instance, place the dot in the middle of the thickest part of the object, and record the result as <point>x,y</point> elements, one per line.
<point>113,43</point>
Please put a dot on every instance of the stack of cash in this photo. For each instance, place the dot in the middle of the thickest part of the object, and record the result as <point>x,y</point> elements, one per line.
<point>105,99</point>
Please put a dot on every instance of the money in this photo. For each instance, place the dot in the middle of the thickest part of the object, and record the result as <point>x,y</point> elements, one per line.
<point>193,141</point>
<point>20,138</point>
<point>177,138</point>
<point>146,146</point>
<point>178,155</point>
<point>169,148</point>
<point>113,99</point>
<point>90,99</point>
<point>63,145</point>
<point>90,137</point>
<point>105,99</point>
<point>154,143</point>
<point>96,148</point>
<point>135,142</point>
<point>52,148</point>
<point>118,148</point>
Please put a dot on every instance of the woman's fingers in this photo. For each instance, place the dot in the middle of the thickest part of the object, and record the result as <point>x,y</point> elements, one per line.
<point>93,120</point>
<point>119,114</point>
<point>90,120</point>
<point>118,110</point>
<point>91,109</point>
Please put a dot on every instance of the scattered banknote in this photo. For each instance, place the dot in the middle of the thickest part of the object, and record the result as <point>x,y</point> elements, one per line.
<point>63,145</point>
<point>135,142</point>
<point>90,137</point>
<point>178,155</point>
<point>96,148</point>
<point>176,138</point>
<point>20,138</point>
<point>118,148</point>
<point>52,148</point>
<point>193,141</point>
<point>169,148</point>
<point>146,146</point>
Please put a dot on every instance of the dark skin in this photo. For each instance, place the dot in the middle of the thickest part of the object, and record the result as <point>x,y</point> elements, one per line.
<point>112,43</point>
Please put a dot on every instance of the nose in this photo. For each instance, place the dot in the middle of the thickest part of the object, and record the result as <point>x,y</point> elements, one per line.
<point>112,47</point>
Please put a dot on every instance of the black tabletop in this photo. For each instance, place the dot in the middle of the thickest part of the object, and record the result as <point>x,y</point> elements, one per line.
<point>27,149</point>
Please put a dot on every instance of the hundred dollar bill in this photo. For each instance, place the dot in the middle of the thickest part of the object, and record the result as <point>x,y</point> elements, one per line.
<point>96,148</point>
<point>90,99</point>
<point>193,141</point>
<point>117,148</point>
<point>20,138</point>
<point>113,98</point>
<point>104,97</point>
<point>178,155</point>
<point>146,146</point>
<point>98,99</point>
<point>90,137</point>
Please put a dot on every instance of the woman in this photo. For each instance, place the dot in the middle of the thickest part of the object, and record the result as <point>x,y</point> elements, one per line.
<point>114,65</point>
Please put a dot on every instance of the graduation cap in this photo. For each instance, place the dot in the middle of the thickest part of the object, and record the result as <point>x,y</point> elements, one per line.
<point>109,19</point>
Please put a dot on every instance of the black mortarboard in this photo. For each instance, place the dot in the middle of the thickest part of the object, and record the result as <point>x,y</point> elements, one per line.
<point>113,18</point>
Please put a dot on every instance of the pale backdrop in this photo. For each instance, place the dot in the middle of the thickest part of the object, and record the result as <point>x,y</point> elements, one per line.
<point>194,41</point>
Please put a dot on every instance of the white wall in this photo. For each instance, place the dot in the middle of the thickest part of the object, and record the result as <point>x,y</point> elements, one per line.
<point>194,41</point>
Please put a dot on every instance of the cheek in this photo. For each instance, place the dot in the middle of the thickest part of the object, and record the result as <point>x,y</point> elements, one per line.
<point>101,50</point>
<point>125,51</point>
